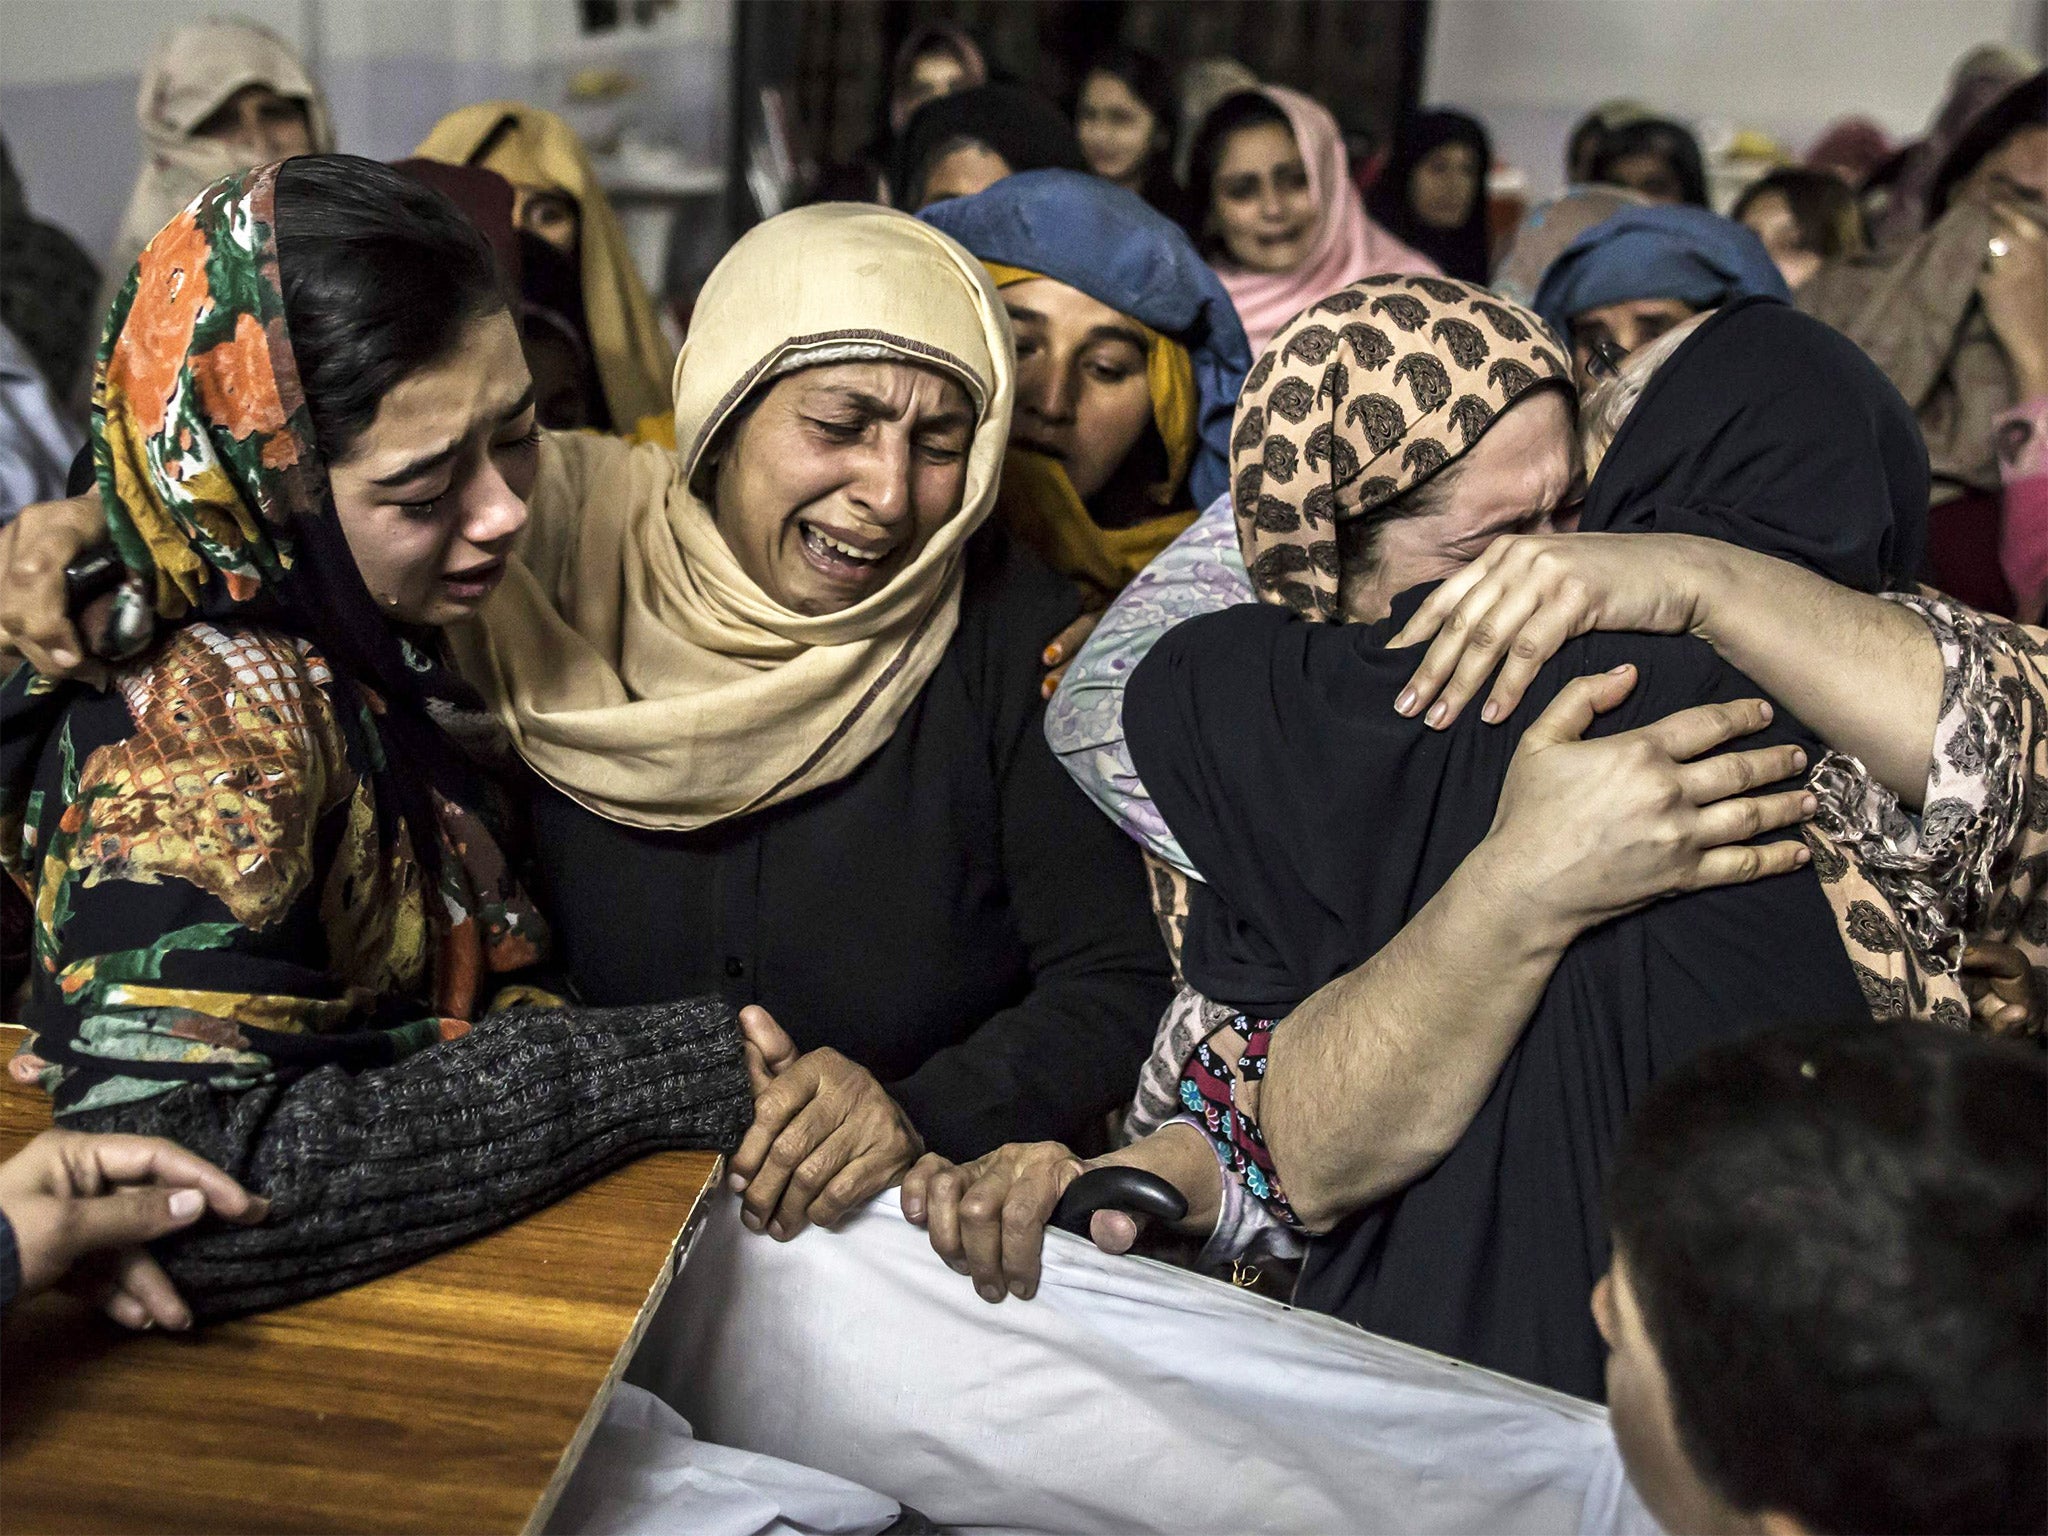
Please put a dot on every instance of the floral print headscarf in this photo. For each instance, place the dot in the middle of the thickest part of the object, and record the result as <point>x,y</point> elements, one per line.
<point>1361,396</point>
<point>217,498</point>
<point>262,850</point>
<point>201,440</point>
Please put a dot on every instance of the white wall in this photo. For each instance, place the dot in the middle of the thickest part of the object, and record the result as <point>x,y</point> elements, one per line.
<point>69,71</point>
<point>1531,68</point>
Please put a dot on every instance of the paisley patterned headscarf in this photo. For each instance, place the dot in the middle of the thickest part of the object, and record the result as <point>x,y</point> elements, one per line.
<point>1361,396</point>
<point>217,498</point>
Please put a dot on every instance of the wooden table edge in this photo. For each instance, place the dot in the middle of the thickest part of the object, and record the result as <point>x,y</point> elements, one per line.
<point>572,1453</point>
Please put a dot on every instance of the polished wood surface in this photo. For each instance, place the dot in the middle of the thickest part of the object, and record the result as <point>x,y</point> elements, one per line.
<point>454,1396</point>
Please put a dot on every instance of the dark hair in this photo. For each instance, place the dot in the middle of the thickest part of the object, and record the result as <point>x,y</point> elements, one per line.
<point>929,40</point>
<point>381,276</point>
<point>1233,114</point>
<point>1358,538</point>
<point>948,146</point>
<point>1839,1237</point>
<point>1144,74</point>
<point>1584,145</point>
<point>1670,142</point>
<point>1822,204</point>
<point>1025,129</point>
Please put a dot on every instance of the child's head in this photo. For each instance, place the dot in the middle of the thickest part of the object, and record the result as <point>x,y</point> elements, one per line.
<point>1828,1308</point>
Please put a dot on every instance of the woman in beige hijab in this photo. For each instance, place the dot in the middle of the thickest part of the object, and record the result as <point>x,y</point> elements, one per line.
<point>782,686</point>
<point>218,96</point>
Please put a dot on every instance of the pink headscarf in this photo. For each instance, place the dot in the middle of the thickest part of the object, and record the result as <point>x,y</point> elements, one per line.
<point>1348,245</point>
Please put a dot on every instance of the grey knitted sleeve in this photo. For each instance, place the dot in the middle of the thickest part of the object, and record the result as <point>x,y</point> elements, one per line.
<point>372,1171</point>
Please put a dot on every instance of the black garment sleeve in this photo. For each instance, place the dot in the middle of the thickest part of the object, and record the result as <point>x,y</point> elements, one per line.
<point>369,1172</point>
<point>10,1263</point>
<point>1051,1065</point>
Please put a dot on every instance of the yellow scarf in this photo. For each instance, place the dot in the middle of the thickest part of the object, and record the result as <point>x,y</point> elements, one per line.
<point>1038,503</point>
<point>637,666</point>
<point>535,149</point>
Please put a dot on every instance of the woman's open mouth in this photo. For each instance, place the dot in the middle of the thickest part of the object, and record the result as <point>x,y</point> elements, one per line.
<point>840,557</point>
<point>474,583</point>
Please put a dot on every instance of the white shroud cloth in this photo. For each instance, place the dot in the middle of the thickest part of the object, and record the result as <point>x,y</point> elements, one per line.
<point>1127,1396</point>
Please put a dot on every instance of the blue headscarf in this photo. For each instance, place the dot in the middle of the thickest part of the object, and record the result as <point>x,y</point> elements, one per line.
<point>1683,253</point>
<point>1094,236</point>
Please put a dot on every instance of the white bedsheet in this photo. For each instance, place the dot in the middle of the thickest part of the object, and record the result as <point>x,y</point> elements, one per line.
<point>645,1474</point>
<point>1127,1396</point>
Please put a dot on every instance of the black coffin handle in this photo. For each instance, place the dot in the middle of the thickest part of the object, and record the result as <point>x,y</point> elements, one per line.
<point>92,575</point>
<point>1117,1189</point>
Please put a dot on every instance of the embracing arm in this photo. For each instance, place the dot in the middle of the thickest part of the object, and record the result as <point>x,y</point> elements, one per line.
<point>1863,672</point>
<point>1372,1079</point>
<point>1376,1076</point>
<point>1414,1038</point>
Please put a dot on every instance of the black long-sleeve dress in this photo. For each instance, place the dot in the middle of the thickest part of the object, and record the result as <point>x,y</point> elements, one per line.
<point>1323,822</point>
<point>954,915</point>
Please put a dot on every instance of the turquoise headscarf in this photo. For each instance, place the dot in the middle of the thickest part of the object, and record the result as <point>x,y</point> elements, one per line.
<point>1113,246</point>
<point>1663,252</point>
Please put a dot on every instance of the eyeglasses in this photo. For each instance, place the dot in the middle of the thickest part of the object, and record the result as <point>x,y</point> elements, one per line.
<point>1605,357</point>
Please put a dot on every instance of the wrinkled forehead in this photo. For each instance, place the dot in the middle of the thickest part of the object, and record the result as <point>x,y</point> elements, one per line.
<point>837,284</point>
<point>886,388</point>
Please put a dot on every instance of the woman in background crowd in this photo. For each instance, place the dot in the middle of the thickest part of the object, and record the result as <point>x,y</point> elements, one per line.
<point>936,59</point>
<point>1274,210</point>
<point>1129,360</point>
<point>1630,278</point>
<point>575,264</point>
<point>1432,193</point>
<point>1125,120</point>
<point>217,96</point>
<point>1851,148</point>
<point>1589,136</point>
<point>966,143</point>
<point>1957,317</point>
<point>314,437</point>
<point>1804,218</point>
<point>1895,193</point>
<point>1654,156</point>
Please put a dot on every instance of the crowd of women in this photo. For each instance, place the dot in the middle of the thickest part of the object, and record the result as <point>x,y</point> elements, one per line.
<point>1169,647</point>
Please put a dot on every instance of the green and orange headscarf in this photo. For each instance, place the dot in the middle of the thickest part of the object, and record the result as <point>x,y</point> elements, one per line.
<point>217,498</point>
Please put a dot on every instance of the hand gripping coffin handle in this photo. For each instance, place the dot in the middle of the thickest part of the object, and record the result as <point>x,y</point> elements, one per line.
<point>1117,1189</point>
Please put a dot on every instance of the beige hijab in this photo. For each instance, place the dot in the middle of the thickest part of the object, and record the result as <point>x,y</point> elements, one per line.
<point>194,70</point>
<point>637,666</point>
